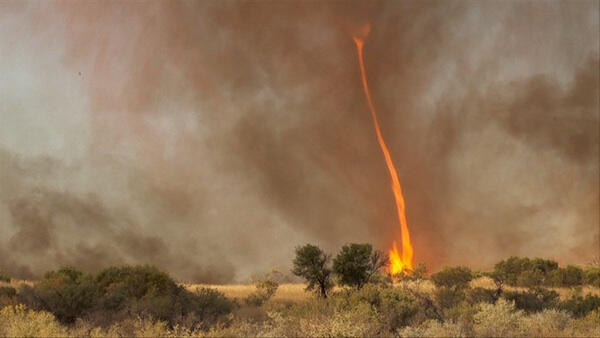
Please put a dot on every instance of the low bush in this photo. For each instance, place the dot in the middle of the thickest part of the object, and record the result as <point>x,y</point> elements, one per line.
<point>456,277</point>
<point>534,300</point>
<point>498,320</point>
<point>447,297</point>
<point>581,306</point>
<point>7,291</point>
<point>592,277</point>
<point>4,278</point>
<point>481,295</point>
<point>8,296</point>
<point>400,307</point>
<point>18,321</point>
<point>67,293</point>
<point>265,289</point>
<point>397,307</point>
<point>524,272</point>
<point>568,277</point>
<point>119,293</point>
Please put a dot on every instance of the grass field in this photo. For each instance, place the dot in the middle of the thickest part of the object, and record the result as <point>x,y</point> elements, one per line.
<point>296,292</point>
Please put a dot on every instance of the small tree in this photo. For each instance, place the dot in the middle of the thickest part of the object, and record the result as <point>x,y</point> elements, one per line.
<point>312,264</point>
<point>356,264</point>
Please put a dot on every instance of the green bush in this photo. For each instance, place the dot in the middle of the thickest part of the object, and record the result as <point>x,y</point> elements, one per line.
<point>534,300</point>
<point>67,293</point>
<point>118,293</point>
<point>568,277</point>
<point>4,278</point>
<point>456,277</point>
<point>400,307</point>
<point>592,277</point>
<point>397,306</point>
<point>147,292</point>
<point>581,306</point>
<point>207,305</point>
<point>481,295</point>
<point>448,297</point>
<point>7,291</point>
<point>524,272</point>
<point>8,296</point>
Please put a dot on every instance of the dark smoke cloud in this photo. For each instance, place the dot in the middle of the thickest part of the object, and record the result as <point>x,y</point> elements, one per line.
<point>210,138</point>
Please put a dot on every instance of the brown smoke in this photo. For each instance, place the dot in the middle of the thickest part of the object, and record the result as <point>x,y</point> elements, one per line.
<point>210,138</point>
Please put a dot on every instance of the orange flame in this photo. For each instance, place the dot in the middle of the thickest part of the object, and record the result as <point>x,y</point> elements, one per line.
<point>398,263</point>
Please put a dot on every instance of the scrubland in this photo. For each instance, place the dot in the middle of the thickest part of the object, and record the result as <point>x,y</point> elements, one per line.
<point>142,301</point>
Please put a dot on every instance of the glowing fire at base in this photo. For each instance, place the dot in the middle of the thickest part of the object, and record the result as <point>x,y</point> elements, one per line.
<point>399,262</point>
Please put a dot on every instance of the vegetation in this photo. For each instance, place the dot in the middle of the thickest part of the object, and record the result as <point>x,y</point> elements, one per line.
<point>265,289</point>
<point>117,293</point>
<point>458,277</point>
<point>312,264</point>
<point>357,264</point>
<point>141,301</point>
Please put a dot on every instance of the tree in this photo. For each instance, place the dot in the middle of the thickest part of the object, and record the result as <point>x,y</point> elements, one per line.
<point>312,264</point>
<point>356,264</point>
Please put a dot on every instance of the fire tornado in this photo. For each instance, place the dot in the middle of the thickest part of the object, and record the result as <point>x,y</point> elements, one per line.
<point>399,262</point>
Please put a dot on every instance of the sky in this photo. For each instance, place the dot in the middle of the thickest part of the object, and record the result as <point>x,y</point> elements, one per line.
<point>211,138</point>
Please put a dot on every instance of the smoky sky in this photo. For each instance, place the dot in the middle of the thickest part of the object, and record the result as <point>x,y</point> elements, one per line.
<point>210,138</point>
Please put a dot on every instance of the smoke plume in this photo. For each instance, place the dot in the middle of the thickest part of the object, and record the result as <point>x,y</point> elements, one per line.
<point>210,138</point>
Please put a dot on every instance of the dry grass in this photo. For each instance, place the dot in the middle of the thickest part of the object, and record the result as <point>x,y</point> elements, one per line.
<point>290,292</point>
<point>15,283</point>
<point>295,292</point>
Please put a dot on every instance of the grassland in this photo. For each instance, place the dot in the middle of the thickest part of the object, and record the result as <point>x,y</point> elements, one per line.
<point>296,292</point>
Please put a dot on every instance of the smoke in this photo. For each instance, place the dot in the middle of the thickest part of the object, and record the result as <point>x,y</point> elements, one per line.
<point>211,138</point>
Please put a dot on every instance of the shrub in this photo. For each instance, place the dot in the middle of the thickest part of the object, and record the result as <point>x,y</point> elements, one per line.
<point>497,320</point>
<point>312,264</point>
<point>139,291</point>
<point>447,297</point>
<point>581,306</point>
<point>433,328</point>
<point>4,278</point>
<point>397,307</point>
<point>524,271</point>
<point>67,293</point>
<point>548,323</point>
<point>481,295</point>
<point>359,321</point>
<point>534,300</point>
<point>7,291</point>
<point>400,307</point>
<point>118,293</point>
<point>18,321</point>
<point>457,277</point>
<point>592,277</point>
<point>356,264</point>
<point>265,289</point>
<point>8,296</point>
<point>568,277</point>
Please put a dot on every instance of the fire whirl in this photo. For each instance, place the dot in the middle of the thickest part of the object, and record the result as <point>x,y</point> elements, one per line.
<point>399,261</point>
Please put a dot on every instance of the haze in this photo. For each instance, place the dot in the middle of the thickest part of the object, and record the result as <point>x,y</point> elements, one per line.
<point>210,138</point>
